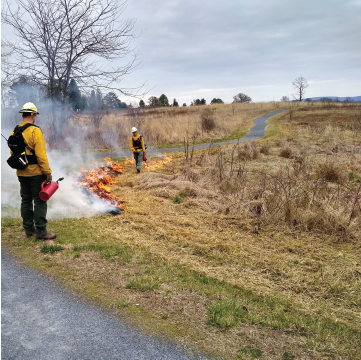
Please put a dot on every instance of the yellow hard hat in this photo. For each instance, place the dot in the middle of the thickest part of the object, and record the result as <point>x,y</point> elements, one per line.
<point>29,108</point>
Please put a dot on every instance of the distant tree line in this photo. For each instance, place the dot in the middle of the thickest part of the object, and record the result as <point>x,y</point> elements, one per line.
<point>153,101</point>
<point>23,90</point>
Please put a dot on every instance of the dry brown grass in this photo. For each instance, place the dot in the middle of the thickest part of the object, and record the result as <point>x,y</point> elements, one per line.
<point>172,125</point>
<point>307,195</point>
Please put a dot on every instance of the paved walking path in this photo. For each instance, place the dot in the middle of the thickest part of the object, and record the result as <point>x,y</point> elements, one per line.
<point>256,132</point>
<point>40,321</point>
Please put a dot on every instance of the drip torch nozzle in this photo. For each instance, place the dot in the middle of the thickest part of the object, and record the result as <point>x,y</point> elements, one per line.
<point>60,179</point>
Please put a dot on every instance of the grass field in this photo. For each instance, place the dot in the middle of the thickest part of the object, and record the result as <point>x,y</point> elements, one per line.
<point>170,127</point>
<point>248,251</point>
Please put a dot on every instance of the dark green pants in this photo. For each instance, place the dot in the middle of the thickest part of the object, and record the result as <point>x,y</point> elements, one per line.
<point>138,157</point>
<point>33,209</point>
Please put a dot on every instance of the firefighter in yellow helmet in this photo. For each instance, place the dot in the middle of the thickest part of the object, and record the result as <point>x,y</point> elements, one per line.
<point>33,209</point>
<point>138,148</point>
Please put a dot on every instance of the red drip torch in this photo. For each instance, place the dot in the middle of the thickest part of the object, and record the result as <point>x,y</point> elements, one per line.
<point>47,190</point>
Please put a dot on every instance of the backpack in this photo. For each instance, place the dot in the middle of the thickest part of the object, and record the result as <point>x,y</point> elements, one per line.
<point>19,160</point>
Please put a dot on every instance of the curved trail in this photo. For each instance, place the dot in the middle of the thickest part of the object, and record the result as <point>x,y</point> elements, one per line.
<point>256,132</point>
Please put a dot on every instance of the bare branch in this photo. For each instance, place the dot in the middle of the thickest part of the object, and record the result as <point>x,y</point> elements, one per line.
<point>62,40</point>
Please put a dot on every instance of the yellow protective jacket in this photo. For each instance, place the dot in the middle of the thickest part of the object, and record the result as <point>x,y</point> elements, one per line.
<point>137,149</point>
<point>34,138</point>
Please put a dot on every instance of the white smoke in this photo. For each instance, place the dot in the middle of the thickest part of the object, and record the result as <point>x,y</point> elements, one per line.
<point>70,200</point>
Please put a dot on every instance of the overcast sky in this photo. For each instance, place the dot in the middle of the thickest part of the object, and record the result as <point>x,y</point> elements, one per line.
<point>207,49</point>
<point>194,49</point>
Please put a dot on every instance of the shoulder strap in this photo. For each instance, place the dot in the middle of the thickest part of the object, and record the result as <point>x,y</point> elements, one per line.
<point>20,129</point>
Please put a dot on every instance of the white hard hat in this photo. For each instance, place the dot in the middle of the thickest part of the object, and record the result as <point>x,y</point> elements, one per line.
<point>29,108</point>
<point>134,129</point>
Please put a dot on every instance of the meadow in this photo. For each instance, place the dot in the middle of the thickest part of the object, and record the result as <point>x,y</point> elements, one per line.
<point>245,251</point>
<point>169,127</point>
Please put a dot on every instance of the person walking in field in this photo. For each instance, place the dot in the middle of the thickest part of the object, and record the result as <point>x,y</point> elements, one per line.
<point>137,146</point>
<point>32,173</point>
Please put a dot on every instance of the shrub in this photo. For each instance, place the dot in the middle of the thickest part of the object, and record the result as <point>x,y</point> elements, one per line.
<point>208,122</point>
<point>286,153</point>
<point>329,172</point>
<point>264,149</point>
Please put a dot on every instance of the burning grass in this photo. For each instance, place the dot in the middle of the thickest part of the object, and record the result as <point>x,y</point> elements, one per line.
<point>98,181</point>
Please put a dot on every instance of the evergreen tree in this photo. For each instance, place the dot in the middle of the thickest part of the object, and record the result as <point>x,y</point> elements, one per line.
<point>217,101</point>
<point>141,103</point>
<point>74,95</point>
<point>198,102</point>
<point>99,103</point>
<point>92,101</point>
<point>163,100</point>
<point>111,101</point>
<point>175,103</point>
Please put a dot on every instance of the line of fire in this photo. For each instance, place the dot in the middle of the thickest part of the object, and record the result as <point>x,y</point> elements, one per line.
<point>98,181</point>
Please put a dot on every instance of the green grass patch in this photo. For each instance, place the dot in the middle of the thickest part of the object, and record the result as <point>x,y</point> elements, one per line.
<point>122,303</point>
<point>354,177</point>
<point>225,314</point>
<point>249,353</point>
<point>110,252</point>
<point>51,249</point>
<point>288,356</point>
<point>178,199</point>
<point>143,283</point>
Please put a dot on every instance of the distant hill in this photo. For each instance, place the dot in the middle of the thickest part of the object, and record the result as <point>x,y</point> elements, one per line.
<point>335,98</point>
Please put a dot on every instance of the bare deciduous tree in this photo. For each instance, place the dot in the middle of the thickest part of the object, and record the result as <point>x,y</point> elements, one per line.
<point>62,40</point>
<point>243,98</point>
<point>300,84</point>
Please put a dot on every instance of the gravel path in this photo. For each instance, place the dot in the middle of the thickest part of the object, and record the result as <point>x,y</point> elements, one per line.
<point>40,321</point>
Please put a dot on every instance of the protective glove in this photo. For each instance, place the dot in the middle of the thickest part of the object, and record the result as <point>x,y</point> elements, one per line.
<point>48,178</point>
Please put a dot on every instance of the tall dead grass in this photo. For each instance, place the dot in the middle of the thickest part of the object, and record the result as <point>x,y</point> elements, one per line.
<point>172,125</point>
<point>302,180</point>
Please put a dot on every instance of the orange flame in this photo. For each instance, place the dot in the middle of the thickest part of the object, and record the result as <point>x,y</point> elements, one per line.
<point>97,182</point>
<point>129,161</point>
<point>152,165</point>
